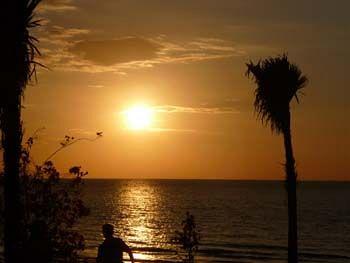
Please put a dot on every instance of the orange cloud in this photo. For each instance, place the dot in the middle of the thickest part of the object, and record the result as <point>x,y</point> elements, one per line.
<point>56,6</point>
<point>66,49</point>
<point>208,109</point>
<point>116,51</point>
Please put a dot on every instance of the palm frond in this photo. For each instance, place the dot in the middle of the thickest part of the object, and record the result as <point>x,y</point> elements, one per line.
<point>30,41</point>
<point>23,50</point>
<point>277,82</point>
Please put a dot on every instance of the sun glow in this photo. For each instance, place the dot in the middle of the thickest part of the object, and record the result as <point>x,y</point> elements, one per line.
<point>138,117</point>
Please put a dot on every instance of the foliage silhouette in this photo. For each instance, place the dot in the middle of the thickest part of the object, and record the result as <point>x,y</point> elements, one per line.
<point>188,238</point>
<point>277,82</point>
<point>17,68</point>
<point>69,140</point>
<point>55,202</point>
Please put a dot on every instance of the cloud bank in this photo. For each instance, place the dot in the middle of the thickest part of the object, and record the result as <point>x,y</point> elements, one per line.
<point>71,49</point>
<point>225,107</point>
<point>116,51</point>
<point>56,6</point>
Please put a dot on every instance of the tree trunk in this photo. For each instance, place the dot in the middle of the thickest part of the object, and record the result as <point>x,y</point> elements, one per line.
<point>11,141</point>
<point>292,196</point>
<point>12,75</point>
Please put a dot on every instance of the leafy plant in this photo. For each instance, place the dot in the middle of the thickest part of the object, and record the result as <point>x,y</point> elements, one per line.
<point>47,197</point>
<point>188,238</point>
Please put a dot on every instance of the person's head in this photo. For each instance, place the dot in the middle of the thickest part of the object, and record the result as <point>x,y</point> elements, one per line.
<point>107,230</point>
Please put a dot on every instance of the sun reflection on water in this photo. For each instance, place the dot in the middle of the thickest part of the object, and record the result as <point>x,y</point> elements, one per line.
<point>140,221</point>
<point>139,211</point>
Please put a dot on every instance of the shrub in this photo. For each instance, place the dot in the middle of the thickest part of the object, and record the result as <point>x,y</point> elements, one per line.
<point>188,238</point>
<point>48,198</point>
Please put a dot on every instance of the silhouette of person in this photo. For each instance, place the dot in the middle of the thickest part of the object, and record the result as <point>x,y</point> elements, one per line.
<point>112,248</point>
<point>38,248</point>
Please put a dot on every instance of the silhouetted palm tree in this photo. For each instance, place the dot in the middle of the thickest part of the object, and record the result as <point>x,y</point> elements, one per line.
<point>278,82</point>
<point>17,67</point>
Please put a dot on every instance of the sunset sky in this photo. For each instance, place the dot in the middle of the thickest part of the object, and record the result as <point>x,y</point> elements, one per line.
<point>185,61</point>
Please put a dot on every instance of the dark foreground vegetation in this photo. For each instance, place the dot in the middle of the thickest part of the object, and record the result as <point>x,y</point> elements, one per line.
<point>52,206</point>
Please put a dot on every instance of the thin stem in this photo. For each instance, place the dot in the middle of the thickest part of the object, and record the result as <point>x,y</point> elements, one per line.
<point>69,144</point>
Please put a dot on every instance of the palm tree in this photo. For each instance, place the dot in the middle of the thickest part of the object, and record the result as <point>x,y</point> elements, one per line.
<point>17,68</point>
<point>277,82</point>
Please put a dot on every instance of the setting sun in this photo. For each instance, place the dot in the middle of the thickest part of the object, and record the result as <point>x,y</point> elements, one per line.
<point>138,117</point>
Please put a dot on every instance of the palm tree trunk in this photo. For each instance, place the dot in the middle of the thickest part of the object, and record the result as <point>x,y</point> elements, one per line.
<point>14,73</point>
<point>292,196</point>
<point>12,70</point>
<point>11,140</point>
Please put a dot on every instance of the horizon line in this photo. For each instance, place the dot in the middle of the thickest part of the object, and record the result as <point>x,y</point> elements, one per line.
<point>216,179</point>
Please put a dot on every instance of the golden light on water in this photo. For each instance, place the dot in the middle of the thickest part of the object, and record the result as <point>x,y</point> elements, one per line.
<point>138,117</point>
<point>141,222</point>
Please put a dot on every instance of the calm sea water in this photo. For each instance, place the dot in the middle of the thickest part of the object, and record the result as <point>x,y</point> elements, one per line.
<point>239,221</point>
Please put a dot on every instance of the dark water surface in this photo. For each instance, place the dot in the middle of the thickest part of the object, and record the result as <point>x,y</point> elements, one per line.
<point>240,221</point>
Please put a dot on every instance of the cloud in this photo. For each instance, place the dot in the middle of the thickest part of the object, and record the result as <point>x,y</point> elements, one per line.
<point>186,131</point>
<point>60,37</point>
<point>173,130</point>
<point>96,86</point>
<point>205,110</point>
<point>136,52</point>
<point>56,6</point>
<point>116,51</point>
<point>228,107</point>
<point>195,50</point>
<point>54,42</point>
<point>80,132</point>
<point>69,49</point>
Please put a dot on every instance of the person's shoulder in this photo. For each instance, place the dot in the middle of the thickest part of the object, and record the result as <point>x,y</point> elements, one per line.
<point>118,240</point>
<point>106,243</point>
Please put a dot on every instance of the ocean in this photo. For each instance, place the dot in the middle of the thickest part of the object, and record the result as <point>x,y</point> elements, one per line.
<point>239,221</point>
